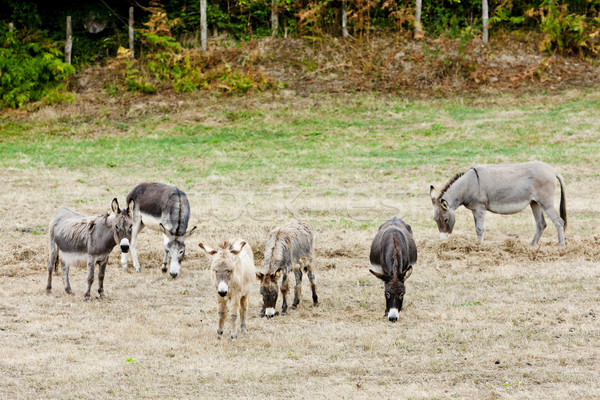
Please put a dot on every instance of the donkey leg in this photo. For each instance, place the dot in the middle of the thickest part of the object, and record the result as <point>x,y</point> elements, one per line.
<point>479,217</point>
<point>235,310</point>
<point>540,222</point>
<point>101,271</point>
<point>65,272</point>
<point>557,220</point>
<point>91,265</point>
<point>298,288</point>
<point>313,285</point>
<point>243,313</point>
<point>285,285</point>
<point>222,315</point>
<point>135,230</point>
<point>52,263</point>
<point>164,263</point>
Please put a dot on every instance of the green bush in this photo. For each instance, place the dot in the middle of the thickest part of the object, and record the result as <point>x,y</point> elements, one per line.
<point>29,70</point>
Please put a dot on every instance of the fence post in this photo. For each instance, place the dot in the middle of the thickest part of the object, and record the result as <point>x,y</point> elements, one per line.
<point>418,26</point>
<point>203,27</point>
<point>344,19</point>
<point>131,48</point>
<point>484,11</point>
<point>69,42</point>
<point>11,27</point>
<point>274,20</point>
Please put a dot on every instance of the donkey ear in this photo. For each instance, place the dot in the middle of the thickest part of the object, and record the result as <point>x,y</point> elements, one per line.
<point>130,206</point>
<point>277,273</point>
<point>164,230</point>
<point>381,276</point>
<point>432,194</point>
<point>239,249</point>
<point>207,250</point>
<point>189,233</point>
<point>115,206</point>
<point>260,276</point>
<point>444,205</point>
<point>408,272</point>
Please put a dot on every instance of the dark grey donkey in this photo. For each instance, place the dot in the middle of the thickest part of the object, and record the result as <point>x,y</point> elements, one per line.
<point>77,239</point>
<point>165,209</point>
<point>289,248</point>
<point>393,254</point>
<point>502,189</point>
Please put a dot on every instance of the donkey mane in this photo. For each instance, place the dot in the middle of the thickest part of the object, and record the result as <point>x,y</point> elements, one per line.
<point>272,258</point>
<point>450,183</point>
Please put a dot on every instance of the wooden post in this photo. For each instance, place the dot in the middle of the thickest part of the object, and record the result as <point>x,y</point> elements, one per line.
<point>484,11</point>
<point>203,27</point>
<point>69,42</point>
<point>274,20</point>
<point>418,26</point>
<point>11,27</point>
<point>344,19</point>
<point>131,48</point>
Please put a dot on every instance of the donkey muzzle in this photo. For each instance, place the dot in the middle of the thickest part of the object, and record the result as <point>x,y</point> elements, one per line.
<point>223,289</point>
<point>124,245</point>
<point>393,315</point>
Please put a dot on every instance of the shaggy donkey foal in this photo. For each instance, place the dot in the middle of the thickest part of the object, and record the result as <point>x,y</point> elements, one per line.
<point>232,269</point>
<point>289,248</point>
<point>393,253</point>
<point>77,239</point>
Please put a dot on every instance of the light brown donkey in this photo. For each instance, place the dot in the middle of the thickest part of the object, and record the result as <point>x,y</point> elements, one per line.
<point>232,269</point>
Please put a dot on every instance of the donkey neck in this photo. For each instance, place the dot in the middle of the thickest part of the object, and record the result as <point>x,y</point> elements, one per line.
<point>464,191</point>
<point>102,238</point>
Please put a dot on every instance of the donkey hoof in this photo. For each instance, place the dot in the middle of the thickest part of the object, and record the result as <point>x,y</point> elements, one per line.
<point>283,313</point>
<point>233,337</point>
<point>164,270</point>
<point>292,307</point>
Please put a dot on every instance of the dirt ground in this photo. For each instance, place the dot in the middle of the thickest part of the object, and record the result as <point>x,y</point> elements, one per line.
<point>480,321</point>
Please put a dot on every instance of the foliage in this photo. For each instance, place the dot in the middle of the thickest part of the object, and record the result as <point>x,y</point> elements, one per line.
<point>566,32</point>
<point>165,63</point>
<point>30,68</point>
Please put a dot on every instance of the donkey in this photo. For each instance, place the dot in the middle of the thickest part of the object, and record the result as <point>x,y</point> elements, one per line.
<point>393,254</point>
<point>233,271</point>
<point>289,248</point>
<point>165,209</point>
<point>502,189</point>
<point>77,239</point>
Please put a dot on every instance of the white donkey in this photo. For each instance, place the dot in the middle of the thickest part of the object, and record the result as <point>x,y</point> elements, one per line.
<point>233,272</point>
<point>165,209</point>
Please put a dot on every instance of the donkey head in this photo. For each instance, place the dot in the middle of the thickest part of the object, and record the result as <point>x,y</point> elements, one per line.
<point>174,250</point>
<point>223,264</point>
<point>123,224</point>
<point>443,214</point>
<point>394,291</point>
<point>269,290</point>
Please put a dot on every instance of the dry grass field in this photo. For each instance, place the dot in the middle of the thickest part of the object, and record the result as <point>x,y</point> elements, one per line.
<point>498,320</point>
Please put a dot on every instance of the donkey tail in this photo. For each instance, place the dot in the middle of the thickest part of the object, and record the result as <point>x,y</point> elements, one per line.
<point>563,200</point>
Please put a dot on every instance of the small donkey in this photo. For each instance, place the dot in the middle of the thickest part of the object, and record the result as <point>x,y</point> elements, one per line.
<point>77,239</point>
<point>165,209</point>
<point>289,248</point>
<point>233,272</point>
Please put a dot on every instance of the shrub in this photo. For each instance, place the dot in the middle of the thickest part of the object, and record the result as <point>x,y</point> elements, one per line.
<point>30,70</point>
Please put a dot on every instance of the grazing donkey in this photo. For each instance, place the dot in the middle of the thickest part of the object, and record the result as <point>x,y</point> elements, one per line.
<point>77,239</point>
<point>393,254</point>
<point>502,189</point>
<point>162,208</point>
<point>233,272</point>
<point>289,248</point>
